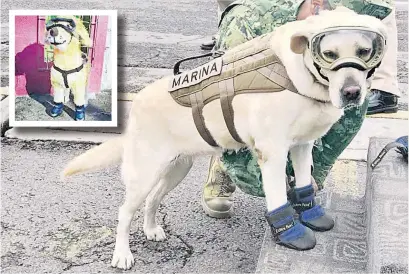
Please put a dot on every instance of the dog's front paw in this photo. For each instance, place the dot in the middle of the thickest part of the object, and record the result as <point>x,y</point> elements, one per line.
<point>122,258</point>
<point>155,234</point>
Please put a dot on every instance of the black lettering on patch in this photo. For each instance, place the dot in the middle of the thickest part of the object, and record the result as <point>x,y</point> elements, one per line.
<point>185,79</point>
<point>214,68</point>
<point>194,74</point>
<point>205,71</point>
<point>197,75</point>
<point>176,83</point>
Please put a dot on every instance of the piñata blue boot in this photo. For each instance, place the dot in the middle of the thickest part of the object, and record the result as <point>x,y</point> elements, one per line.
<point>310,214</point>
<point>79,113</point>
<point>57,109</point>
<point>289,232</point>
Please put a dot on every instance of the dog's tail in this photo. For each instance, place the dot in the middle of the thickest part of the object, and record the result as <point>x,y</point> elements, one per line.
<point>104,155</point>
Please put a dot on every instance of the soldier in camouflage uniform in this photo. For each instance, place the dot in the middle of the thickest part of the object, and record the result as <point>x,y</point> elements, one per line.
<point>245,19</point>
<point>221,6</point>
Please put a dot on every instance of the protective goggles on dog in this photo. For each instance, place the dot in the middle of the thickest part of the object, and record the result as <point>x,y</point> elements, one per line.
<point>58,22</point>
<point>362,59</point>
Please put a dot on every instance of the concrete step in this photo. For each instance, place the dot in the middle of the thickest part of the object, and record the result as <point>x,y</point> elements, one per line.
<point>371,222</point>
<point>387,211</point>
<point>373,127</point>
<point>88,134</point>
<point>341,250</point>
<point>33,108</point>
<point>4,111</point>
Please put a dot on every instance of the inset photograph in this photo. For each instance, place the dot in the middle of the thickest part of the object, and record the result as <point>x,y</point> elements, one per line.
<point>63,66</point>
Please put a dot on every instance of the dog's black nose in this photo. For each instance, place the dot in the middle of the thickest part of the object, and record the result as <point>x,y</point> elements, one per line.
<point>54,32</point>
<point>351,92</point>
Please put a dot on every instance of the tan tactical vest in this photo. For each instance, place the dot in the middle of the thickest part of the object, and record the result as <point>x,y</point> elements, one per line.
<point>251,67</point>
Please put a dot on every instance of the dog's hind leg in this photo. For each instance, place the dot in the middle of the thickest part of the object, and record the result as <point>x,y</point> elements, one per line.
<point>141,170</point>
<point>179,169</point>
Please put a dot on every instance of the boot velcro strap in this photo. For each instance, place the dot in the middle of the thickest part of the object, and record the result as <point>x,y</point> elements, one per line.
<point>279,214</point>
<point>281,219</point>
<point>305,193</point>
<point>58,105</point>
<point>79,108</point>
<point>282,226</point>
<point>302,198</point>
<point>304,204</point>
<point>312,213</point>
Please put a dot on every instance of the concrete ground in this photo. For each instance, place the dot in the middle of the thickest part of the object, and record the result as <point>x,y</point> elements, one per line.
<point>341,250</point>
<point>53,227</point>
<point>387,211</point>
<point>38,107</point>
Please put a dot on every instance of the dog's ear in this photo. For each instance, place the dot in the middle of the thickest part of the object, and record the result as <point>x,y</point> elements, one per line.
<point>299,42</point>
<point>82,33</point>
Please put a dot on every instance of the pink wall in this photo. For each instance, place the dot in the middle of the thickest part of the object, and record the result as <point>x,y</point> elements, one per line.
<point>99,42</point>
<point>30,75</point>
<point>29,58</point>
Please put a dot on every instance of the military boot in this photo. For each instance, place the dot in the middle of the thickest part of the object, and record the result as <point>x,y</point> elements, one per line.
<point>310,214</point>
<point>381,101</point>
<point>208,45</point>
<point>217,197</point>
<point>289,232</point>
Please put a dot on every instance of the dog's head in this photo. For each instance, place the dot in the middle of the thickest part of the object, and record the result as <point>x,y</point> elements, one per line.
<point>342,49</point>
<point>66,32</point>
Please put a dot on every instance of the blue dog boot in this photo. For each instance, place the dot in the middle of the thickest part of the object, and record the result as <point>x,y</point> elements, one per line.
<point>57,109</point>
<point>79,113</point>
<point>288,232</point>
<point>311,215</point>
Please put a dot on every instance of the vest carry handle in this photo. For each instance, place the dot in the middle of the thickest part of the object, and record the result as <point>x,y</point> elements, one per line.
<point>176,70</point>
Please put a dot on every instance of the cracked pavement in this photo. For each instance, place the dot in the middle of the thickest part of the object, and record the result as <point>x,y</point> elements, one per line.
<point>50,226</point>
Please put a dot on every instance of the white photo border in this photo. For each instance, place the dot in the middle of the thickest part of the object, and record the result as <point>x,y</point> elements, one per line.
<point>114,84</point>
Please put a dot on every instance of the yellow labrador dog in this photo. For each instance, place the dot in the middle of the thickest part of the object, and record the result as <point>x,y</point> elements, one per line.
<point>70,65</point>
<point>327,57</point>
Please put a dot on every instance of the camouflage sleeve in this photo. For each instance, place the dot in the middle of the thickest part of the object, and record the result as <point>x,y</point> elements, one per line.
<point>377,8</point>
<point>242,23</point>
<point>235,28</point>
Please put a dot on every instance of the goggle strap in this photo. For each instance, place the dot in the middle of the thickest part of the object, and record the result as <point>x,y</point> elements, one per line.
<point>349,65</point>
<point>317,67</point>
<point>70,31</point>
<point>372,71</point>
<point>72,22</point>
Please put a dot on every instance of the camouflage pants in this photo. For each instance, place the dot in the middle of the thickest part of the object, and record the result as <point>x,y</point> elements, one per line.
<point>244,171</point>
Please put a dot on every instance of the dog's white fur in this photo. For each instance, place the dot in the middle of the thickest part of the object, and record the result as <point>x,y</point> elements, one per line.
<point>161,138</point>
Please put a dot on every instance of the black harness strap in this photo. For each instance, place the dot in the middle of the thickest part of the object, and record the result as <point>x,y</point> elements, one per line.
<point>65,73</point>
<point>176,70</point>
<point>215,54</point>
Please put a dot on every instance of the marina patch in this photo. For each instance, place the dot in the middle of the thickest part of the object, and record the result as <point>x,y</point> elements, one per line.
<point>197,75</point>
